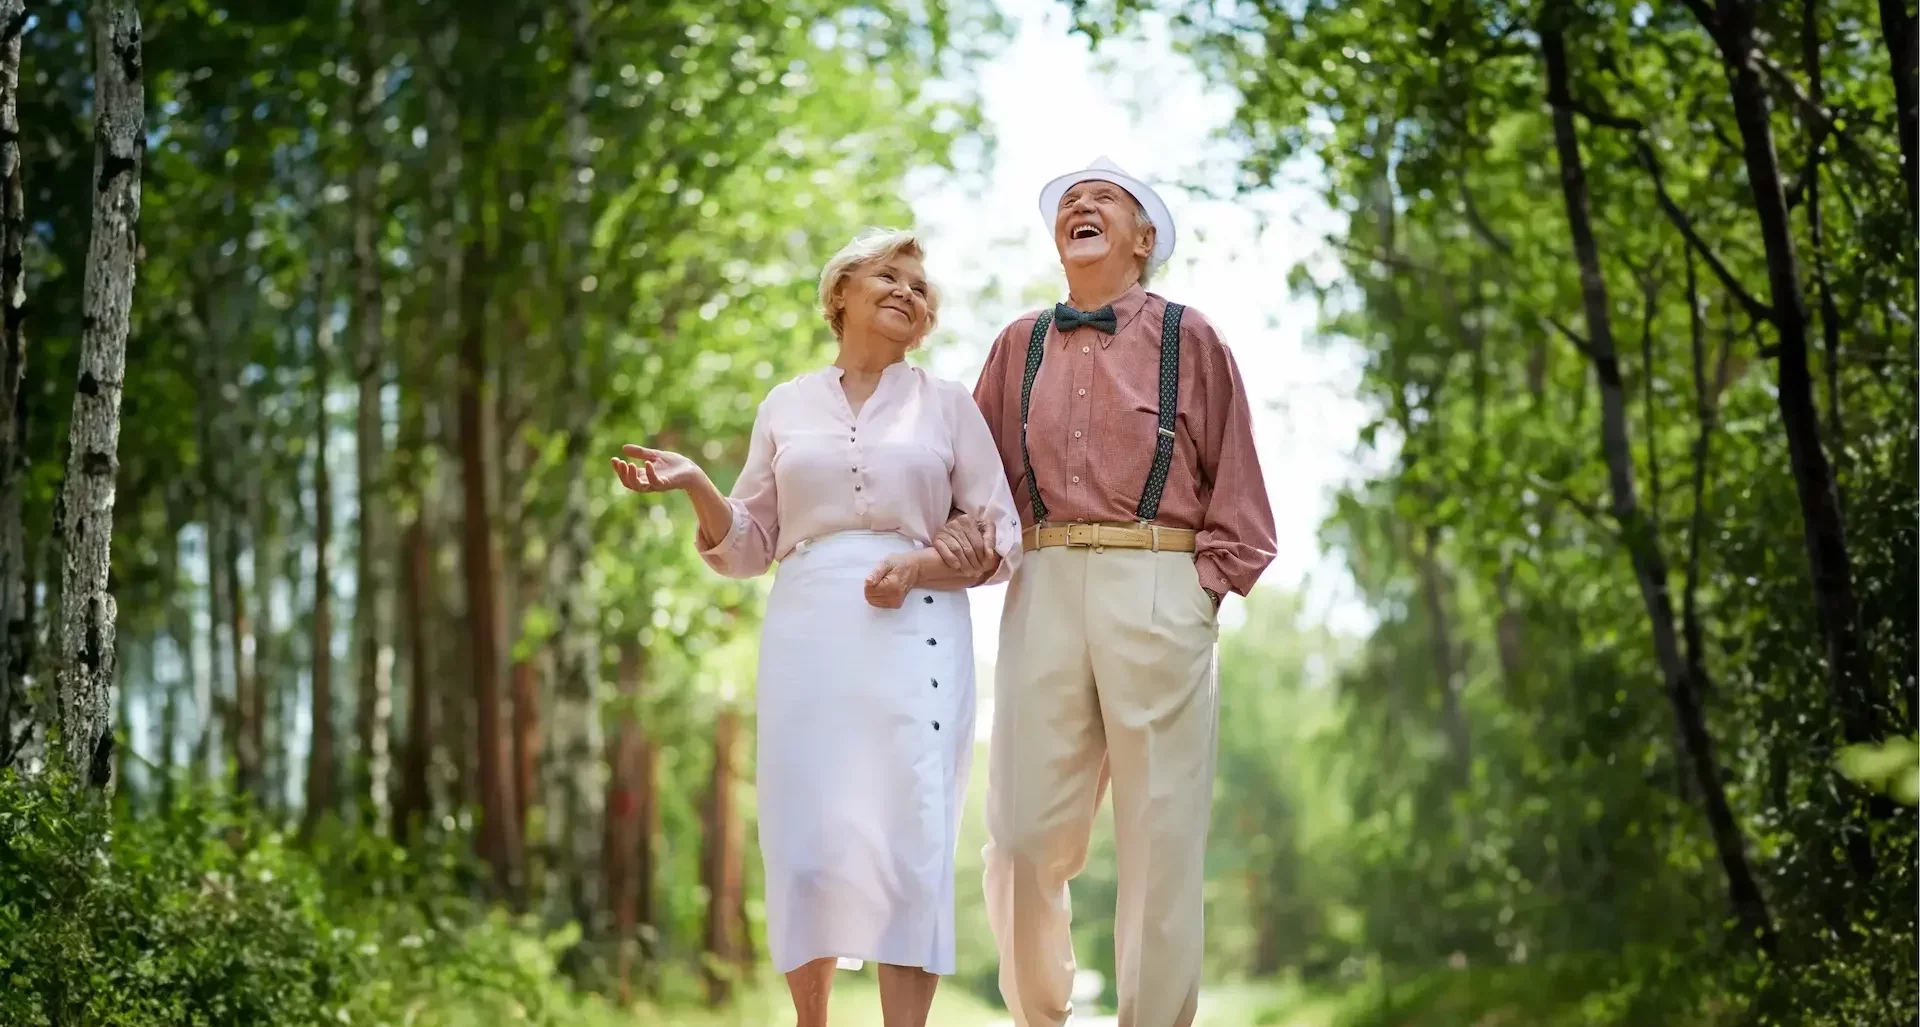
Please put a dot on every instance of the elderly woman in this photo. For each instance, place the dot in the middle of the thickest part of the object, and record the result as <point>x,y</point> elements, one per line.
<point>866,691</point>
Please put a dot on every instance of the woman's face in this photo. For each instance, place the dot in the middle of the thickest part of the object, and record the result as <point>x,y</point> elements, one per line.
<point>887,297</point>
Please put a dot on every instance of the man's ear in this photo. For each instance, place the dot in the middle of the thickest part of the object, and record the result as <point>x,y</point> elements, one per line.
<point>1143,246</point>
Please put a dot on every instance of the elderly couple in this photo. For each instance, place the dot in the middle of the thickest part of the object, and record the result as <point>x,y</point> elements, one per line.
<point>1104,465</point>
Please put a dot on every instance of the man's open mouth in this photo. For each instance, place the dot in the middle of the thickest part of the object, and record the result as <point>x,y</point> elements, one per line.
<point>1085,232</point>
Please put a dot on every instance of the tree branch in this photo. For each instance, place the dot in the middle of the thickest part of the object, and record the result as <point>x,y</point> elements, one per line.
<point>1479,224</point>
<point>1755,308</point>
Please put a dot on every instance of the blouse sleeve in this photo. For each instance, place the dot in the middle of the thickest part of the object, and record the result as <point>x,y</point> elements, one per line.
<point>747,550</point>
<point>980,482</point>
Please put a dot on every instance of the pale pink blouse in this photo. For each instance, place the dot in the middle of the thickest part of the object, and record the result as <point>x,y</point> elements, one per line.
<point>917,450</point>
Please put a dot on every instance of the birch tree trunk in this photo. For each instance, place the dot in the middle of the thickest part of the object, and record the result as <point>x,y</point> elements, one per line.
<point>13,366</point>
<point>86,669</point>
<point>372,639</point>
<point>576,756</point>
<point>1640,536</point>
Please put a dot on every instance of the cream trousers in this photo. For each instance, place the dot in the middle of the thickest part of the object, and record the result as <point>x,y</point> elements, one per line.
<point>1105,675</point>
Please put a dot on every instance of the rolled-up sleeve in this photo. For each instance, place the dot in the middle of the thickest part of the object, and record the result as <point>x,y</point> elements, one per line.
<point>980,482</point>
<point>1236,540</point>
<point>748,548</point>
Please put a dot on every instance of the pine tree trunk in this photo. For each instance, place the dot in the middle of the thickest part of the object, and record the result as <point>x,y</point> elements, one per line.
<point>413,807</point>
<point>526,737</point>
<point>13,367</point>
<point>721,870</point>
<point>86,668</point>
<point>266,638</point>
<point>621,855</point>
<point>322,769</point>
<point>1640,536</point>
<point>372,645</point>
<point>440,676</point>
<point>578,749</point>
<point>499,831</point>
<point>246,697</point>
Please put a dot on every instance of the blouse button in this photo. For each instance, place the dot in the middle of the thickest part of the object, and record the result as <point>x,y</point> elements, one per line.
<point>927,599</point>
<point>1076,434</point>
<point>936,725</point>
<point>935,681</point>
<point>1083,392</point>
<point>1076,479</point>
<point>1086,349</point>
<point>932,642</point>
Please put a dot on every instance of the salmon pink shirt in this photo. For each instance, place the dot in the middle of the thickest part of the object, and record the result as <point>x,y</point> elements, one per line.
<point>917,450</point>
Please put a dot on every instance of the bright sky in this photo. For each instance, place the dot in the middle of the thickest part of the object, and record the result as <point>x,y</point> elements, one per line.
<point>1048,86</point>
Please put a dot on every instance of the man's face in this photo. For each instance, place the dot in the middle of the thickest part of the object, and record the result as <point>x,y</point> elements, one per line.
<point>1099,222</point>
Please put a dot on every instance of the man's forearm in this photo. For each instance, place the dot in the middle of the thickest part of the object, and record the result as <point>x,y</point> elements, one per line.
<point>934,573</point>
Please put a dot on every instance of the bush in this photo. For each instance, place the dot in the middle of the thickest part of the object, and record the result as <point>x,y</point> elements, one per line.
<point>205,915</point>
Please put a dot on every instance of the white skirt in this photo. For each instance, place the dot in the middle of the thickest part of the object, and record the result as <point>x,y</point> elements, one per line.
<point>865,730</point>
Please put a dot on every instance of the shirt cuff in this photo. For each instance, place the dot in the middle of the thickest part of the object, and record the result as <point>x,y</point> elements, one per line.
<point>1211,578</point>
<point>735,532</point>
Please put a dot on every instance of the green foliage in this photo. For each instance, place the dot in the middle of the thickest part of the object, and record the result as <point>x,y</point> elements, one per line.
<point>202,915</point>
<point>1507,759</point>
<point>1892,767</point>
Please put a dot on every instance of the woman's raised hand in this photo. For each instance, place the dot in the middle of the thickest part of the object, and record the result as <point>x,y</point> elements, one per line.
<point>655,470</point>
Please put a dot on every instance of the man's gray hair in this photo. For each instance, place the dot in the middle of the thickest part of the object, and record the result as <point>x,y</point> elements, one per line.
<point>1146,263</point>
<point>871,245</point>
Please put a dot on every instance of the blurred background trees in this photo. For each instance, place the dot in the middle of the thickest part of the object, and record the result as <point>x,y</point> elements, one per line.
<point>416,718</point>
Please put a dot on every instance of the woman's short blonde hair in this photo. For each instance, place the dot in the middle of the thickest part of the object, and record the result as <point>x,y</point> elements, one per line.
<point>871,245</point>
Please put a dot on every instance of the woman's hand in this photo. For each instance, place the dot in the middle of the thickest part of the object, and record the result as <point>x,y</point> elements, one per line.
<point>888,585</point>
<point>656,470</point>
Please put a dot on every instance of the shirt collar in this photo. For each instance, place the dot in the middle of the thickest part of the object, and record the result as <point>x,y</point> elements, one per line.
<point>1125,309</point>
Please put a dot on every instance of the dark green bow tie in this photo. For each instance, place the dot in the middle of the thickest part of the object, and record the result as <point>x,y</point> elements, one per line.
<point>1067,319</point>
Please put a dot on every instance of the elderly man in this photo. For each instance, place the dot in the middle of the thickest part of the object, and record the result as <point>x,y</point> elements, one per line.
<point>1128,443</point>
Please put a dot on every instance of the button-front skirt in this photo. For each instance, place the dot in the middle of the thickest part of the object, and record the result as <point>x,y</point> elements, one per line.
<point>865,729</point>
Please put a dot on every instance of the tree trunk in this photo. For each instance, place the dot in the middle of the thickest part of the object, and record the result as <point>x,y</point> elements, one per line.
<point>1897,28</point>
<point>86,668</point>
<point>322,772</point>
<point>1816,235</point>
<point>1446,663</point>
<point>647,808</point>
<point>372,641</point>
<point>1640,536</point>
<point>217,726</point>
<point>526,737</point>
<point>13,367</point>
<point>246,698</point>
<point>1850,680</point>
<point>578,748</point>
<point>720,865</point>
<point>414,806</point>
<point>499,831</point>
<point>621,855</point>
<point>438,667</point>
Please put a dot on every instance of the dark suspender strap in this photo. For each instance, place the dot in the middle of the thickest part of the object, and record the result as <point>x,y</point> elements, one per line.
<point>1036,349</point>
<point>1169,410</point>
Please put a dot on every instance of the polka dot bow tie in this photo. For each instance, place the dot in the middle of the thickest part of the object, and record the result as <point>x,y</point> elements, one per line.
<point>1067,319</point>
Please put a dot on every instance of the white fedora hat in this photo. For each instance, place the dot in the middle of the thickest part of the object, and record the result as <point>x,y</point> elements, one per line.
<point>1104,170</point>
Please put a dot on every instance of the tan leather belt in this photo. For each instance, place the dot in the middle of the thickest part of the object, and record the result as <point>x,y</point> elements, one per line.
<point>1109,536</point>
